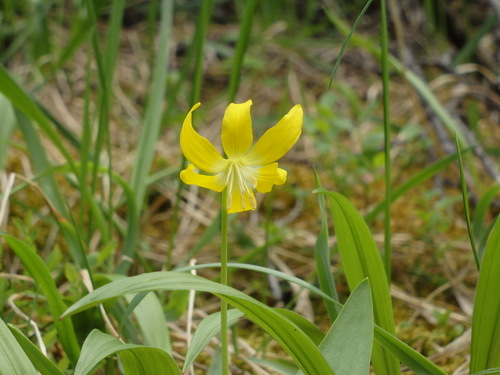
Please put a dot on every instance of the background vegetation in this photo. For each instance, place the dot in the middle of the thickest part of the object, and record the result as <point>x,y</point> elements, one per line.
<point>93,98</point>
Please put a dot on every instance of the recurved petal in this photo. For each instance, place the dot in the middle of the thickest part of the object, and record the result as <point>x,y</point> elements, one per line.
<point>190,177</point>
<point>278,140</point>
<point>268,176</point>
<point>237,136</point>
<point>197,149</point>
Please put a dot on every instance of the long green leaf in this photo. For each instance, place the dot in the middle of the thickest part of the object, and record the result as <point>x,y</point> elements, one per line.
<point>269,271</point>
<point>298,345</point>
<point>485,344</point>
<point>42,364</point>
<point>406,354</point>
<point>136,359</point>
<point>348,344</point>
<point>361,259</point>
<point>322,258</point>
<point>13,360</point>
<point>39,271</point>
<point>152,322</point>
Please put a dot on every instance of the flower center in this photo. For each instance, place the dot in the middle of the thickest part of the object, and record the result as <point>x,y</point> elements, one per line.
<point>241,179</point>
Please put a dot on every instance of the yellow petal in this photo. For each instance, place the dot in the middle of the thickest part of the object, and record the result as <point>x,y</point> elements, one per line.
<point>190,177</point>
<point>237,136</point>
<point>268,176</point>
<point>197,149</point>
<point>278,140</point>
<point>239,201</point>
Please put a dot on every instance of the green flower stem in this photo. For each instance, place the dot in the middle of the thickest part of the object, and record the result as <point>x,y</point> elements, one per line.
<point>224,281</point>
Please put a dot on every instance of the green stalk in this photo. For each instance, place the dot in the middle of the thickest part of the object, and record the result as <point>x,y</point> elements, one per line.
<point>224,281</point>
<point>387,138</point>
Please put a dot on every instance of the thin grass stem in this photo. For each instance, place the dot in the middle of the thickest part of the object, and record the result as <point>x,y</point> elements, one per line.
<point>387,137</point>
<point>465,198</point>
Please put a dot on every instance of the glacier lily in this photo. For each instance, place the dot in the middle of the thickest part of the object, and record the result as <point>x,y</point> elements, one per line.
<point>245,167</point>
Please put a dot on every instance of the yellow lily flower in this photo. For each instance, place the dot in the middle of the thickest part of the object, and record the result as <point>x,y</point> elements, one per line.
<point>245,168</point>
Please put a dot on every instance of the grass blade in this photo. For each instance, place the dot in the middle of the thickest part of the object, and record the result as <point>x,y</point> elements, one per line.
<point>149,133</point>
<point>49,186</point>
<point>465,200</point>
<point>418,84</point>
<point>417,179</point>
<point>346,42</point>
<point>39,271</point>
<point>241,47</point>
<point>25,104</point>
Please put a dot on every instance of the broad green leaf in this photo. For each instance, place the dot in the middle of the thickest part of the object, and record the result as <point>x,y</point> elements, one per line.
<point>361,259</point>
<point>177,304</point>
<point>297,344</point>
<point>13,360</point>
<point>277,365</point>
<point>310,329</point>
<point>41,363</point>
<point>485,344</point>
<point>39,271</point>
<point>207,329</point>
<point>216,364</point>
<point>136,359</point>
<point>348,344</point>
<point>154,328</point>
<point>406,354</point>
<point>149,314</point>
<point>269,271</point>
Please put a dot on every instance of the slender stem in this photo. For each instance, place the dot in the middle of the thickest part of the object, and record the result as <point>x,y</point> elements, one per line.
<point>224,281</point>
<point>387,138</point>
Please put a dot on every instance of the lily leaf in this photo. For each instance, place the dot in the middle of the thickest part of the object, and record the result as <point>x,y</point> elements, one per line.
<point>297,344</point>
